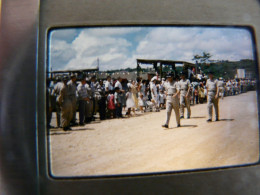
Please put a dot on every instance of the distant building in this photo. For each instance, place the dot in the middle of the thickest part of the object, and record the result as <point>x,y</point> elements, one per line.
<point>241,73</point>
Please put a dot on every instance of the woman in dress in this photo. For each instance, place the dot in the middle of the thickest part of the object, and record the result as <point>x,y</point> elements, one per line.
<point>130,104</point>
<point>134,92</point>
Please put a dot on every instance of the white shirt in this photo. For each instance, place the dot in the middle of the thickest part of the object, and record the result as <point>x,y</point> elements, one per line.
<point>108,86</point>
<point>153,89</point>
<point>119,85</point>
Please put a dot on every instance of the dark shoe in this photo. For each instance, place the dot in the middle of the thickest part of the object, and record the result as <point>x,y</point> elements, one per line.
<point>209,120</point>
<point>74,124</point>
<point>178,125</point>
<point>188,117</point>
<point>81,124</point>
<point>166,126</point>
<point>217,119</point>
<point>65,128</point>
<point>181,117</point>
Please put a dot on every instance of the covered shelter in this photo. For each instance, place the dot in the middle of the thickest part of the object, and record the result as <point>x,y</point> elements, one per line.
<point>78,72</point>
<point>158,65</point>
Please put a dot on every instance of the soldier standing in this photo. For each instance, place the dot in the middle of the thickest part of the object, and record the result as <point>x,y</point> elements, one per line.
<point>56,93</point>
<point>66,106</point>
<point>72,88</point>
<point>83,99</point>
<point>213,91</point>
<point>172,101</point>
<point>185,86</point>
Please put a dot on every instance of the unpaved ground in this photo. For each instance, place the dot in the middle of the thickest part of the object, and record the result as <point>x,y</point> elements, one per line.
<point>140,145</point>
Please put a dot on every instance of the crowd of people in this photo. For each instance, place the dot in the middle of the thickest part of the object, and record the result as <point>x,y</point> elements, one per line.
<point>110,98</point>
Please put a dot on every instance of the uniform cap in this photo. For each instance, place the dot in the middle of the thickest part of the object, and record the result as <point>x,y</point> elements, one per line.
<point>170,75</point>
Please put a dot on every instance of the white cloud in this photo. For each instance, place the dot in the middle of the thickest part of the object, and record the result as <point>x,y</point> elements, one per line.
<point>117,48</point>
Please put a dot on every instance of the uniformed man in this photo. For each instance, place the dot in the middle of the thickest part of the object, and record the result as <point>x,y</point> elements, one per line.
<point>66,106</point>
<point>56,93</point>
<point>83,99</point>
<point>221,87</point>
<point>108,85</point>
<point>72,88</point>
<point>212,93</point>
<point>185,87</point>
<point>172,102</point>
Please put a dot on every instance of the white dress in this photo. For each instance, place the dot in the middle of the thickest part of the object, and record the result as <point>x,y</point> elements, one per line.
<point>130,101</point>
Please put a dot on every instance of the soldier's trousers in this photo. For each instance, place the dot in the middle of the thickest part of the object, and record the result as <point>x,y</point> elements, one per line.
<point>172,103</point>
<point>73,100</point>
<point>185,101</point>
<point>89,109</point>
<point>82,109</point>
<point>221,92</point>
<point>212,101</point>
<point>66,113</point>
<point>58,110</point>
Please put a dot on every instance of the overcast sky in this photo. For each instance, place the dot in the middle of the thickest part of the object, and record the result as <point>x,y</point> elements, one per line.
<point>119,47</point>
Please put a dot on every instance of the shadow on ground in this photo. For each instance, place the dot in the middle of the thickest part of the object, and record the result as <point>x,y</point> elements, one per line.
<point>193,126</point>
<point>82,129</point>
<point>198,117</point>
<point>226,119</point>
<point>59,133</point>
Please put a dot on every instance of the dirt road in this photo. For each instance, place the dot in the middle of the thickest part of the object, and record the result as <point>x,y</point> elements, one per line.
<point>140,145</point>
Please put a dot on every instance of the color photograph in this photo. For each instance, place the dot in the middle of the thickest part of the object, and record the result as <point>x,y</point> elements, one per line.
<point>149,99</point>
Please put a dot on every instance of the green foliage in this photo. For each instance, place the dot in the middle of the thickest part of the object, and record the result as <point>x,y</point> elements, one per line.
<point>228,69</point>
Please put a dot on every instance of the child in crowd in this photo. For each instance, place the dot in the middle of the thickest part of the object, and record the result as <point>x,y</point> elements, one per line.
<point>130,104</point>
<point>196,94</point>
<point>141,102</point>
<point>162,98</point>
<point>118,103</point>
<point>111,105</point>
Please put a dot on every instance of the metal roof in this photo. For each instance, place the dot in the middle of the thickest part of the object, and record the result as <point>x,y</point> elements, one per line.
<point>164,62</point>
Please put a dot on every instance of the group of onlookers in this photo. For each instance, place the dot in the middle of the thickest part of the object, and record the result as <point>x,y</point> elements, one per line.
<point>117,98</point>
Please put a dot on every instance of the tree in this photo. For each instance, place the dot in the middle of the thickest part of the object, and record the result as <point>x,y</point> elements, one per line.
<point>202,59</point>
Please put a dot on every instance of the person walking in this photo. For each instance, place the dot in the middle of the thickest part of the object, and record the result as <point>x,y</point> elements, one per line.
<point>213,91</point>
<point>172,101</point>
<point>185,87</point>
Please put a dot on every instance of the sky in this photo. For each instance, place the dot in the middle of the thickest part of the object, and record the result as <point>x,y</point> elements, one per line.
<point>119,47</point>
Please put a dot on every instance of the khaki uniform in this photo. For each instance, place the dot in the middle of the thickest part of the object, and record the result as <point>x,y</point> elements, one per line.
<point>221,88</point>
<point>66,107</point>
<point>72,88</point>
<point>184,86</point>
<point>172,102</point>
<point>212,101</point>
<point>56,93</point>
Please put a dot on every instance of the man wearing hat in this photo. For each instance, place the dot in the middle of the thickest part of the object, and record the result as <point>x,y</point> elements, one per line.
<point>172,101</point>
<point>212,93</point>
<point>184,85</point>
<point>72,88</point>
<point>65,104</point>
